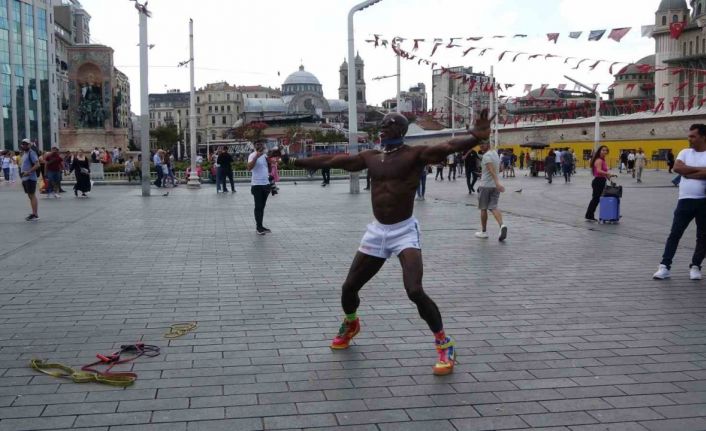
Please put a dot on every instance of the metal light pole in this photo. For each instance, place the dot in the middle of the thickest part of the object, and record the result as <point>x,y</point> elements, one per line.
<point>144,100</point>
<point>399,100</point>
<point>352,105</point>
<point>597,127</point>
<point>194,181</point>
<point>453,113</point>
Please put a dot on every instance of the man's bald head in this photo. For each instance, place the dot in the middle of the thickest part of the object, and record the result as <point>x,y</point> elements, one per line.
<point>394,125</point>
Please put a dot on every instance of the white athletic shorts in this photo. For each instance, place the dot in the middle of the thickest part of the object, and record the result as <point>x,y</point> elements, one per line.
<point>384,240</point>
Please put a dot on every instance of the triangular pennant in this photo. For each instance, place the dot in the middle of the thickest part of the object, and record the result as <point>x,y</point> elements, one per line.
<point>682,85</point>
<point>561,87</point>
<point>575,34</point>
<point>517,55</point>
<point>618,33</point>
<point>596,35</point>
<point>553,37</point>
<point>468,50</point>
<point>416,44</point>
<point>474,38</point>
<point>543,89</point>
<point>452,44</point>
<point>630,87</point>
<point>647,30</point>
<point>437,44</point>
<point>528,88</point>
<point>502,55</point>
<point>593,66</point>
<point>520,35</point>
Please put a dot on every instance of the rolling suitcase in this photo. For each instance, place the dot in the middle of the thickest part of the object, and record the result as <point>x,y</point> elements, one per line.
<point>609,209</point>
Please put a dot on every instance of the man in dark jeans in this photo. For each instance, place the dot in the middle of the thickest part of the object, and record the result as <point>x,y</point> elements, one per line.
<point>470,161</point>
<point>326,174</point>
<point>54,164</point>
<point>225,170</point>
<point>691,165</point>
<point>259,184</point>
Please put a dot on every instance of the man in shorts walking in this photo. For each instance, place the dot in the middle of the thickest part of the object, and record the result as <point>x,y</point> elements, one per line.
<point>28,174</point>
<point>489,192</point>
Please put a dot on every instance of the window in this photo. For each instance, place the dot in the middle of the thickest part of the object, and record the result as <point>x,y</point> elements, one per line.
<point>210,109</point>
<point>198,99</point>
<point>224,120</point>
<point>213,136</point>
<point>209,96</point>
<point>691,48</point>
<point>228,108</point>
<point>198,111</point>
<point>213,120</point>
<point>228,97</point>
<point>675,18</point>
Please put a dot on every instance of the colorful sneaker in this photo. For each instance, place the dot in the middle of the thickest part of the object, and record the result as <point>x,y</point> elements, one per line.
<point>346,332</point>
<point>447,357</point>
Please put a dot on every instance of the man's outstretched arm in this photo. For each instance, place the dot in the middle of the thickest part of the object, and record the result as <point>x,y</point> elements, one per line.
<point>479,133</point>
<point>340,161</point>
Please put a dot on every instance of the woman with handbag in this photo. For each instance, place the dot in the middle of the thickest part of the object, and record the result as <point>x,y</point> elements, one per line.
<point>600,177</point>
<point>82,171</point>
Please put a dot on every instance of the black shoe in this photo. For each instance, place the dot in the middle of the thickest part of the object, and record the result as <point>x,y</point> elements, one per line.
<point>232,191</point>
<point>32,217</point>
<point>266,230</point>
<point>260,231</point>
<point>592,219</point>
<point>75,192</point>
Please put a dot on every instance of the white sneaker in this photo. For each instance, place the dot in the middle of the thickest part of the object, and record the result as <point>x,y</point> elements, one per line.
<point>663,272</point>
<point>503,233</point>
<point>694,273</point>
<point>481,235</point>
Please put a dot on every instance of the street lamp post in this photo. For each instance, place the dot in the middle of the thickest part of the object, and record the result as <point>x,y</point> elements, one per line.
<point>194,181</point>
<point>352,105</point>
<point>453,113</point>
<point>144,100</point>
<point>597,127</point>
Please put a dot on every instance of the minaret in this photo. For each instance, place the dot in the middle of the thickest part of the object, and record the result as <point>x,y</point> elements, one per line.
<point>343,87</point>
<point>360,81</point>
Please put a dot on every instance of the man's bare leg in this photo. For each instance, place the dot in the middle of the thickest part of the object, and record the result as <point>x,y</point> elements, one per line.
<point>412,273</point>
<point>498,217</point>
<point>363,268</point>
<point>483,220</point>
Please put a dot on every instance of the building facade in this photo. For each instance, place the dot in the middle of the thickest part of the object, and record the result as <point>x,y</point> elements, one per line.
<point>414,100</point>
<point>26,52</point>
<point>218,106</point>
<point>683,55</point>
<point>455,83</point>
<point>259,92</point>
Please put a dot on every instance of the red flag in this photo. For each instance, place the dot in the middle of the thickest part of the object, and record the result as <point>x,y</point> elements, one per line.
<point>595,86</point>
<point>618,33</point>
<point>677,70</point>
<point>691,102</point>
<point>676,29</point>
<point>543,89</point>
<point>630,87</point>
<point>644,68</point>
<point>502,55</point>
<point>472,85</point>
<point>451,42</point>
<point>700,85</point>
<point>682,85</point>
<point>468,50</point>
<point>437,44</point>
<point>593,66</point>
<point>517,55</point>
<point>474,38</point>
<point>579,63</point>
<point>562,87</point>
<point>701,102</point>
<point>553,37</point>
<point>416,44</point>
<point>533,56</point>
<point>528,88</point>
<point>610,69</point>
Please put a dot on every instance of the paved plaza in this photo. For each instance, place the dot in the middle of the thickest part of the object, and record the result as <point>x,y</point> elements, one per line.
<point>559,328</point>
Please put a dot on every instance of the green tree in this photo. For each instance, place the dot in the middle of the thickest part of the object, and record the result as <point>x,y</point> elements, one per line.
<point>165,137</point>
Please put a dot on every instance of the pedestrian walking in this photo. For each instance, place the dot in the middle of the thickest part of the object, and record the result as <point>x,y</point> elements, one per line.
<point>550,165</point>
<point>224,161</point>
<point>472,162</point>
<point>157,160</point>
<point>422,187</point>
<point>326,176</point>
<point>29,166</point>
<point>82,172</point>
<point>522,160</point>
<point>451,162</point>
<point>489,192</point>
<point>567,165</point>
<point>670,160</point>
<point>640,163</point>
<point>439,172</point>
<point>130,169</point>
<point>6,162</point>
<point>601,174</point>
<point>259,184</point>
<point>54,166</point>
<point>691,165</point>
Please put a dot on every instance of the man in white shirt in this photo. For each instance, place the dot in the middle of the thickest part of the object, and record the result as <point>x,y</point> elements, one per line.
<point>259,184</point>
<point>451,162</point>
<point>640,163</point>
<point>631,163</point>
<point>691,165</point>
<point>157,160</point>
<point>489,191</point>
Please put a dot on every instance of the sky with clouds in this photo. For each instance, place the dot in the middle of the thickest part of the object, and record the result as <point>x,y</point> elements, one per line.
<point>246,42</point>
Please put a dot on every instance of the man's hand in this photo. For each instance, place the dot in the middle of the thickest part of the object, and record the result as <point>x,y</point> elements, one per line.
<point>500,188</point>
<point>481,127</point>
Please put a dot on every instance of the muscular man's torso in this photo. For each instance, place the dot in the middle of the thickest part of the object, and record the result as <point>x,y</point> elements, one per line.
<point>394,180</point>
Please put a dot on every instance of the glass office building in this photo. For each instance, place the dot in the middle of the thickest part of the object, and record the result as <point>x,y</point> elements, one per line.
<point>25,53</point>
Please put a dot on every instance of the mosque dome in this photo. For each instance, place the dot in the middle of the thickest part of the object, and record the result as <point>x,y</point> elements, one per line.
<point>301,76</point>
<point>667,5</point>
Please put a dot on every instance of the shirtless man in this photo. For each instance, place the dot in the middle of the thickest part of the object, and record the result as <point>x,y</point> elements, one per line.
<point>395,176</point>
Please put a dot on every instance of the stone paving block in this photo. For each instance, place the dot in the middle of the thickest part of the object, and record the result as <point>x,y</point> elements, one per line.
<point>556,406</point>
<point>250,424</point>
<point>489,424</point>
<point>32,424</point>
<point>112,419</point>
<point>299,421</point>
<point>689,424</point>
<point>371,417</point>
<point>440,425</point>
<point>557,419</point>
<point>79,409</point>
<point>626,414</point>
<point>510,408</point>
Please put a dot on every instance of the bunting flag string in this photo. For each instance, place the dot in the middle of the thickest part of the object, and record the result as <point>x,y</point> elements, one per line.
<point>481,51</point>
